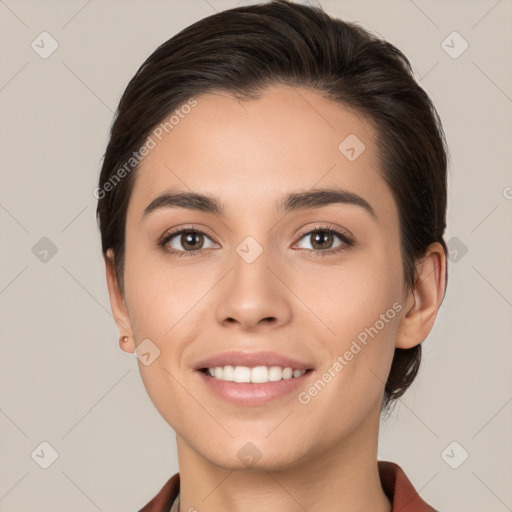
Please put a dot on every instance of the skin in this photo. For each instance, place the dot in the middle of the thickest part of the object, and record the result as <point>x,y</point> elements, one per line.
<point>321,455</point>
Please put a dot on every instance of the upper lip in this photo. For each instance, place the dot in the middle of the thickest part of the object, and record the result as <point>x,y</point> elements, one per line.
<point>251,359</point>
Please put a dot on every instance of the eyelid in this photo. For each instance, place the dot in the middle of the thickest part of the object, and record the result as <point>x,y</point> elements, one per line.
<point>187,227</point>
<point>327,227</point>
<point>346,238</point>
<point>344,235</point>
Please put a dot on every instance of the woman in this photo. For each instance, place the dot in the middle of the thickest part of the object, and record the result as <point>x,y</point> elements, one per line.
<point>272,205</point>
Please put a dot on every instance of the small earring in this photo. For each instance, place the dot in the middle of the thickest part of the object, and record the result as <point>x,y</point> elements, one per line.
<point>123,339</point>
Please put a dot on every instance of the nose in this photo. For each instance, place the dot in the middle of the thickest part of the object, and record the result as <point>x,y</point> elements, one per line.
<point>254,294</point>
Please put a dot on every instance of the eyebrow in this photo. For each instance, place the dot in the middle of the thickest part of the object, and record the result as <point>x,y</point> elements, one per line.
<point>293,201</point>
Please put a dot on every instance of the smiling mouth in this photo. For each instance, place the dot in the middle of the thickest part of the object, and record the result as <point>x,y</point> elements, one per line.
<point>254,374</point>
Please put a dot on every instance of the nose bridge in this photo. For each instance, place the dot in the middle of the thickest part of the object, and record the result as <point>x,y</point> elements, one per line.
<point>251,291</point>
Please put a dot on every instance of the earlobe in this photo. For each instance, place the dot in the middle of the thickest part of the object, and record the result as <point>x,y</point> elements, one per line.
<point>423,302</point>
<point>118,305</point>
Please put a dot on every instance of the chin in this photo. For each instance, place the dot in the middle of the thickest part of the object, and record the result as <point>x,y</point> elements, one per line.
<point>252,457</point>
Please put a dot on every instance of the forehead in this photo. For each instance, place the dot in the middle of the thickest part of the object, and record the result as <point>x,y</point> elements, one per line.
<point>250,153</point>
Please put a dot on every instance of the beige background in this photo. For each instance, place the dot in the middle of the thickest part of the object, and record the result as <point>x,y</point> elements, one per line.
<point>64,379</point>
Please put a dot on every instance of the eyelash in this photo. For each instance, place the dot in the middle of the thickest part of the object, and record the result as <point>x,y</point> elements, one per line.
<point>347,242</point>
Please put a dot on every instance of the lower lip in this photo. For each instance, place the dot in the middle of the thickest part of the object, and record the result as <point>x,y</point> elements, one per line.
<point>247,393</point>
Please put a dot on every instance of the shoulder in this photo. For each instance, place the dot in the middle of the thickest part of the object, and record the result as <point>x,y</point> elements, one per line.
<point>165,497</point>
<point>400,490</point>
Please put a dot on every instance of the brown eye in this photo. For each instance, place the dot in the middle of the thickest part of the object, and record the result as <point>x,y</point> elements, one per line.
<point>186,241</point>
<point>191,240</point>
<point>321,240</point>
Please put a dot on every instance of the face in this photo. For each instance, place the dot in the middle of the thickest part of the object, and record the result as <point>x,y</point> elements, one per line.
<point>319,282</point>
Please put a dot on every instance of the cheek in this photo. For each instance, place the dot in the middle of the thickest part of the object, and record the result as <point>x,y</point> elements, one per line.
<point>167,301</point>
<point>357,306</point>
<point>352,296</point>
<point>361,312</point>
<point>365,308</point>
<point>157,292</point>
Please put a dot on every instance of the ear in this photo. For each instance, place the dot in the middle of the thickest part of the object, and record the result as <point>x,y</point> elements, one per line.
<point>118,305</point>
<point>422,303</point>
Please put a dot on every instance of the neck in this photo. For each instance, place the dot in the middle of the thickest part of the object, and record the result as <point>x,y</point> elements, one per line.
<point>344,478</point>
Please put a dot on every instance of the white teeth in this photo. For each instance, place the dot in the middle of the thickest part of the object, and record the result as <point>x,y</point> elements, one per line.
<point>259,374</point>
<point>287,373</point>
<point>228,373</point>
<point>256,374</point>
<point>242,374</point>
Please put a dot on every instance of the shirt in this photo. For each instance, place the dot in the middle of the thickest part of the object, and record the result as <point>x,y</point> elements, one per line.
<point>397,487</point>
